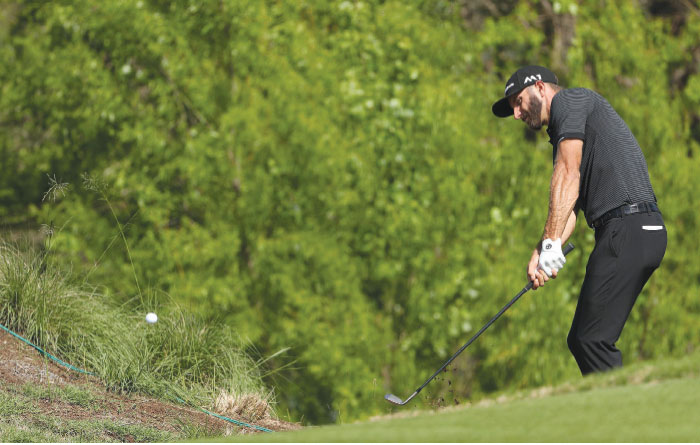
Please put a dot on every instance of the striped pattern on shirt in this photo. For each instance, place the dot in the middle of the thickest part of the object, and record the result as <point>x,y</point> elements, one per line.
<point>613,169</point>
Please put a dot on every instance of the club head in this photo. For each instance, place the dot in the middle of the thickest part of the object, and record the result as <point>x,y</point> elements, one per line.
<point>393,399</point>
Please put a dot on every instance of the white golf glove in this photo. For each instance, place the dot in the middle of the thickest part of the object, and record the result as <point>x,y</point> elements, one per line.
<point>551,256</point>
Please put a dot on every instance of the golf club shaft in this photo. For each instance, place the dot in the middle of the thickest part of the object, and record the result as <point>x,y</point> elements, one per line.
<point>568,248</point>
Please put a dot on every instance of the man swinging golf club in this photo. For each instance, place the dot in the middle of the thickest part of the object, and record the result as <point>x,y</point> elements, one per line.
<point>598,168</point>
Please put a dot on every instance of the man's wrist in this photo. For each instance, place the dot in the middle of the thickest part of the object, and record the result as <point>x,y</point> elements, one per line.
<point>548,243</point>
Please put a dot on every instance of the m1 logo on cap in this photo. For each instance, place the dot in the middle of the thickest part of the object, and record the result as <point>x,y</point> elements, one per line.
<point>533,78</point>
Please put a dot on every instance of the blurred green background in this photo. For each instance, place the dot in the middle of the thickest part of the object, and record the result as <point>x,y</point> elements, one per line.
<point>326,177</point>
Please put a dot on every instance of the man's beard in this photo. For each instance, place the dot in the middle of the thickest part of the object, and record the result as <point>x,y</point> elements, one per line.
<point>533,118</point>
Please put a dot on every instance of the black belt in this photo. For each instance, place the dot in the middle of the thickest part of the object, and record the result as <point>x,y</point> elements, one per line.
<point>626,210</point>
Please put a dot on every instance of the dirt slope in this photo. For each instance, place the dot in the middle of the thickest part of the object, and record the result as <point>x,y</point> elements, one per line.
<point>22,367</point>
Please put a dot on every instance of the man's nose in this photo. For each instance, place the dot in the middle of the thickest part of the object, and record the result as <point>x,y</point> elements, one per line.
<point>516,112</point>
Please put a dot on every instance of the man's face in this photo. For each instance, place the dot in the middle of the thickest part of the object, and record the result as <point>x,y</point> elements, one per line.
<point>527,106</point>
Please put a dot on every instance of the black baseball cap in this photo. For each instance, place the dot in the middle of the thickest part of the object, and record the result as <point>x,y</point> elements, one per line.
<point>522,78</point>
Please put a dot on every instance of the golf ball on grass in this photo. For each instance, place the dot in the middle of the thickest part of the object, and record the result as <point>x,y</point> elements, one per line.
<point>151,318</point>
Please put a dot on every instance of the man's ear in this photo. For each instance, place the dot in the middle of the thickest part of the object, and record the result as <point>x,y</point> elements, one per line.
<point>541,88</point>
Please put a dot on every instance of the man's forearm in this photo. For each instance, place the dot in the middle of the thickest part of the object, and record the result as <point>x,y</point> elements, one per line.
<point>570,226</point>
<point>562,199</point>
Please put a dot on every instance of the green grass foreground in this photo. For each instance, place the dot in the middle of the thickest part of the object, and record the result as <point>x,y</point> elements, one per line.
<point>645,403</point>
<point>663,412</point>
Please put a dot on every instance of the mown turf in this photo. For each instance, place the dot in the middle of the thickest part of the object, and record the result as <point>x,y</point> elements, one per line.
<point>666,411</point>
<point>71,394</point>
<point>21,419</point>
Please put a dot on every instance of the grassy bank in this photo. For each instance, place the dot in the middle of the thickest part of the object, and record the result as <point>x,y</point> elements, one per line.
<point>179,357</point>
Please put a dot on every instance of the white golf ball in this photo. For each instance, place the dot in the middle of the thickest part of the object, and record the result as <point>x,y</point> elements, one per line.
<point>151,318</point>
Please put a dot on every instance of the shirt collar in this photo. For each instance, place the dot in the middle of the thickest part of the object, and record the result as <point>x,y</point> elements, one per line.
<point>551,133</point>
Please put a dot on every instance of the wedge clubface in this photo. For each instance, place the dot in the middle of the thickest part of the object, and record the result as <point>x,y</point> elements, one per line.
<point>397,401</point>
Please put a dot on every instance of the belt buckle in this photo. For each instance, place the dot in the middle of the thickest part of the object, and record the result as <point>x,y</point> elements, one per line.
<point>634,208</point>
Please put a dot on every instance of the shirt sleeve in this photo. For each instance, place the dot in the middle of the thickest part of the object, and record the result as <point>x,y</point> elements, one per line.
<point>569,114</point>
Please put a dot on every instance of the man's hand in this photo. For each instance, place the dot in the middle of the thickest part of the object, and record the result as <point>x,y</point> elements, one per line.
<point>551,259</point>
<point>534,274</point>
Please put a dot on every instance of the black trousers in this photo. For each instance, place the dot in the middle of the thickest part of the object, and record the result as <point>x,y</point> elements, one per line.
<point>627,251</point>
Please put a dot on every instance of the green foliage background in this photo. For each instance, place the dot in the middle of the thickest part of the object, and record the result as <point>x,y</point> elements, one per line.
<point>327,176</point>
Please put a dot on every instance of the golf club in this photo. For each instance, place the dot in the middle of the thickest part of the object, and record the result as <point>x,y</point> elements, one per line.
<point>397,401</point>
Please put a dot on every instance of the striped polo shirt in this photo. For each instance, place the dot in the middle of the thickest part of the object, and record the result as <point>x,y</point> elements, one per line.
<point>613,169</point>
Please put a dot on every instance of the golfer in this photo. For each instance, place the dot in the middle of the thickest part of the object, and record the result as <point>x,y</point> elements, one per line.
<point>598,168</point>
